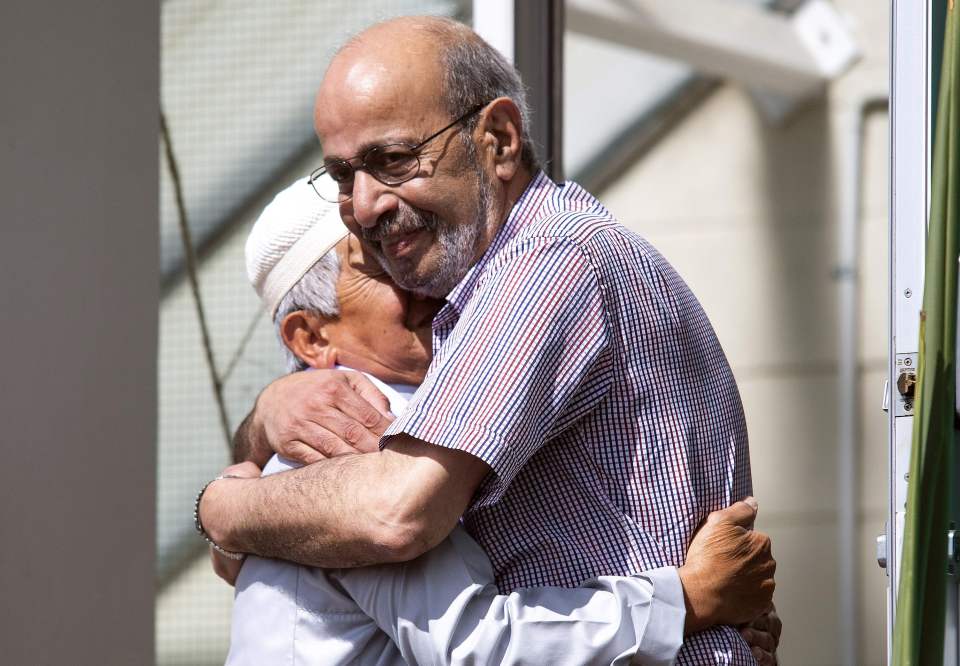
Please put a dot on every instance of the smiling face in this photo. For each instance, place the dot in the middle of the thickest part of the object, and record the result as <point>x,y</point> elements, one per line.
<point>381,329</point>
<point>428,231</point>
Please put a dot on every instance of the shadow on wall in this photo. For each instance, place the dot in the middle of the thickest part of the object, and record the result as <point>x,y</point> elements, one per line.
<point>795,450</point>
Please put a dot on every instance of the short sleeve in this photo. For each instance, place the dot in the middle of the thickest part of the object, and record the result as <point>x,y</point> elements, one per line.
<point>521,364</point>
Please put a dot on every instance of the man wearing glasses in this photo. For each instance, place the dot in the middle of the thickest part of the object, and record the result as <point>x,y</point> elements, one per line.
<point>579,413</point>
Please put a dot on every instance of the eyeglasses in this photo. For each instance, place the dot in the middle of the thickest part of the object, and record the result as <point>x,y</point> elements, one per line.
<point>390,164</point>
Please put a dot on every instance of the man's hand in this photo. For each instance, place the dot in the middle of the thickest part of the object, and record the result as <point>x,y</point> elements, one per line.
<point>309,416</point>
<point>763,637</point>
<point>728,575</point>
<point>224,567</point>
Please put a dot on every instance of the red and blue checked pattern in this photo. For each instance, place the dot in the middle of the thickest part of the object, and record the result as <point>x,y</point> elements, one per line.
<point>575,362</point>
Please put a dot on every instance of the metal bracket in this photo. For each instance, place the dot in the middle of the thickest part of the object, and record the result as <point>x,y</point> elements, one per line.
<point>906,370</point>
<point>827,36</point>
<point>788,57</point>
<point>953,552</point>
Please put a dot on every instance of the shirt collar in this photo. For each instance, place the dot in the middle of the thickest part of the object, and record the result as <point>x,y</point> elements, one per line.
<point>523,211</point>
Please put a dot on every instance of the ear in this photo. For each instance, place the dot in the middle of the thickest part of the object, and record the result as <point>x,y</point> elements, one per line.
<point>304,335</point>
<point>501,128</point>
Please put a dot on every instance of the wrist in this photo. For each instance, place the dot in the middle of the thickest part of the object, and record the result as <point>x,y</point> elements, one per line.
<point>250,441</point>
<point>259,444</point>
<point>211,521</point>
<point>699,600</point>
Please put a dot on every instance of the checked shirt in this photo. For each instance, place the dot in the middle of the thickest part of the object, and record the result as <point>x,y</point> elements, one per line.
<point>578,365</point>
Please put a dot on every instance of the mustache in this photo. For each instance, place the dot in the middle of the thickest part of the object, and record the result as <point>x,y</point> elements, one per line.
<point>403,220</point>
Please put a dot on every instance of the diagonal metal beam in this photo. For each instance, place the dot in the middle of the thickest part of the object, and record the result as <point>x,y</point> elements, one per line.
<point>794,55</point>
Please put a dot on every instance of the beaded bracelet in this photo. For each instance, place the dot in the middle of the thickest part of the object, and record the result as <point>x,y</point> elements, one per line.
<point>199,525</point>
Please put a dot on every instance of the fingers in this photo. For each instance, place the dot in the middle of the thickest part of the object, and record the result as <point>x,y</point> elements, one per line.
<point>354,418</point>
<point>763,562</point>
<point>767,625</point>
<point>319,431</point>
<point>775,625</point>
<point>742,513</point>
<point>301,453</point>
<point>366,390</point>
<point>762,623</point>
<point>760,639</point>
<point>752,576</point>
<point>333,412</point>
<point>224,567</point>
<point>342,431</point>
<point>245,470</point>
<point>763,637</point>
<point>761,545</point>
<point>763,657</point>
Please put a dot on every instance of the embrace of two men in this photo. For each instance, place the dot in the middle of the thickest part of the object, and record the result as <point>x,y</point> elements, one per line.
<point>576,426</point>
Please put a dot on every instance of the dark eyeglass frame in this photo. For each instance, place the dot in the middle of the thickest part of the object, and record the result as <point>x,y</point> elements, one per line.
<point>342,196</point>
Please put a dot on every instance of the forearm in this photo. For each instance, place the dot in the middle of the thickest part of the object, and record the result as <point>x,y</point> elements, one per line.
<point>326,514</point>
<point>443,608</point>
<point>351,510</point>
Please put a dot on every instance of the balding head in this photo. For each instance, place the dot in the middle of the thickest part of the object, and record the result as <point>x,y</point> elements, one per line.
<point>435,31</point>
<point>424,126</point>
<point>445,57</point>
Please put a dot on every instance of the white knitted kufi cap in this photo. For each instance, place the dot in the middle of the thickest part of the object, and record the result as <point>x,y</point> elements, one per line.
<point>292,233</point>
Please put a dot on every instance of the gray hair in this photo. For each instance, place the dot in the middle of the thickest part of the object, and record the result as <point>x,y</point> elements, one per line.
<point>316,293</point>
<point>475,73</point>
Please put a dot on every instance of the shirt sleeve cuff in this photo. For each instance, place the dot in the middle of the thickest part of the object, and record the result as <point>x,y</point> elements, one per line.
<point>484,445</point>
<point>664,632</point>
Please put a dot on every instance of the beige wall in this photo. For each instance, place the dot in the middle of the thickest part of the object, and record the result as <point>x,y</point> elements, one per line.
<point>747,213</point>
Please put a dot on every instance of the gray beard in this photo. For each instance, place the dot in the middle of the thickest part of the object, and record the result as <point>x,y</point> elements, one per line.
<point>456,244</point>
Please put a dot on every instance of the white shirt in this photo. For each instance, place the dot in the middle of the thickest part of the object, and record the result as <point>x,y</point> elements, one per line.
<point>443,608</point>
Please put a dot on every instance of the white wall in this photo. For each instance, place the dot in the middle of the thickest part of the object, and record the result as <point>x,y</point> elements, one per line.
<point>78,292</point>
<point>747,213</point>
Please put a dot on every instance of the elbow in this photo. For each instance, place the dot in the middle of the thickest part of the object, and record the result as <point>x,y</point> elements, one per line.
<point>402,538</point>
<point>421,498</point>
<point>402,543</point>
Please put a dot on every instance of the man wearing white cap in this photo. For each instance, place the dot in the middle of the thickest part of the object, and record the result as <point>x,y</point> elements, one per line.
<point>372,326</point>
<point>332,307</point>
